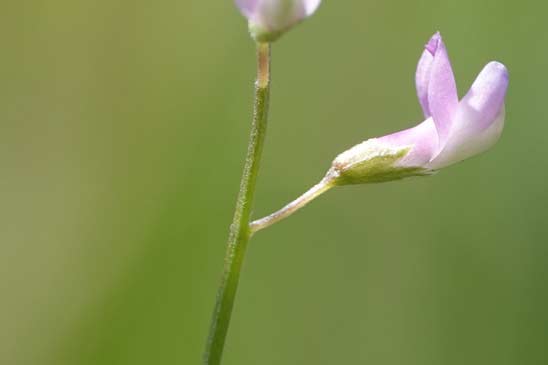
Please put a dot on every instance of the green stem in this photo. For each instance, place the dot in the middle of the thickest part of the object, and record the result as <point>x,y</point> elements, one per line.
<point>327,183</point>
<point>239,230</point>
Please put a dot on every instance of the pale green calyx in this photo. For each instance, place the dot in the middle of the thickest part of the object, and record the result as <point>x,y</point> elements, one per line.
<point>262,34</point>
<point>373,162</point>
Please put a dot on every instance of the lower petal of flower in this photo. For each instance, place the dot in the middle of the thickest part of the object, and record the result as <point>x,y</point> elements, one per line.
<point>479,118</point>
<point>465,143</point>
<point>422,141</point>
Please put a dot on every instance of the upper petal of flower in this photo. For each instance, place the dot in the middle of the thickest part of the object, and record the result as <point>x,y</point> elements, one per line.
<point>436,88</point>
<point>422,76</point>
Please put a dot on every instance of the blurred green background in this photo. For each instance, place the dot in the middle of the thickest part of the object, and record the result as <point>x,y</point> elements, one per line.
<point>123,131</point>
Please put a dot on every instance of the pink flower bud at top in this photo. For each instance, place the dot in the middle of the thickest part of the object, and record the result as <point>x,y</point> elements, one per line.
<point>269,19</point>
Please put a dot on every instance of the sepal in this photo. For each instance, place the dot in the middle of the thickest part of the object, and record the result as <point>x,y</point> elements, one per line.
<point>373,162</point>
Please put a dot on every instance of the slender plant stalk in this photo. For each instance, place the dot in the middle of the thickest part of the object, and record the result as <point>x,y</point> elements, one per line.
<point>239,230</point>
<point>327,183</point>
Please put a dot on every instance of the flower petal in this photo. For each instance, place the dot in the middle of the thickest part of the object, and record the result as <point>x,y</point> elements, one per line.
<point>422,140</point>
<point>486,95</point>
<point>442,91</point>
<point>479,118</point>
<point>247,7</point>
<point>422,76</point>
<point>311,6</point>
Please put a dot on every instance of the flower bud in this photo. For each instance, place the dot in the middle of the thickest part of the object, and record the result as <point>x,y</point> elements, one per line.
<point>269,19</point>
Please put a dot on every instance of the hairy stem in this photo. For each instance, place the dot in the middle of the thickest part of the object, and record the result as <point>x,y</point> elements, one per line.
<point>239,230</point>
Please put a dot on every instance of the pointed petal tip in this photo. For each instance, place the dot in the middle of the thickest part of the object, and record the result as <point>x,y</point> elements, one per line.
<point>433,43</point>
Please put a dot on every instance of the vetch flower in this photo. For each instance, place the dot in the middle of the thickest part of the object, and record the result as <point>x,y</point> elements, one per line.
<point>269,19</point>
<point>453,131</point>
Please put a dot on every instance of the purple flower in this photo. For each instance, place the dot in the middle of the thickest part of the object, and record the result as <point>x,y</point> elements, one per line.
<point>268,19</point>
<point>453,131</point>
